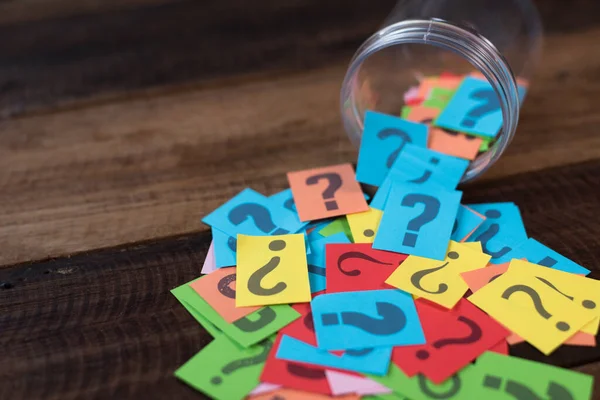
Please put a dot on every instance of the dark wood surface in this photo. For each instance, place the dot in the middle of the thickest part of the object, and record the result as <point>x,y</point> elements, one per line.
<point>123,123</point>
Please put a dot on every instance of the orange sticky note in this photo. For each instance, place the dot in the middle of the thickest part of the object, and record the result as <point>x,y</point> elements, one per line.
<point>326,192</point>
<point>478,278</point>
<point>436,82</point>
<point>290,394</point>
<point>454,144</point>
<point>218,290</point>
<point>578,339</point>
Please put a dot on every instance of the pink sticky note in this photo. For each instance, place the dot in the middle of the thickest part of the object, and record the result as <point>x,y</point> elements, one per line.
<point>341,383</point>
<point>264,388</point>
<point>209,262</point>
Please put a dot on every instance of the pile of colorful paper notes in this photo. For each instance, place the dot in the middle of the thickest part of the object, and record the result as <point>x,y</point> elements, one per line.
<point>313,292</point>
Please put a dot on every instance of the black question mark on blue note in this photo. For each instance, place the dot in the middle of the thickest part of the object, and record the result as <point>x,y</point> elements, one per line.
<point>290,204</point>
<point>474,335</point>
<point>255,280</point>
<point>488,103</point>
<point>394,132</point>
<point>265,317</point>
<point>259,214</point>
<point>547,262</point>
<point>416,278</point>
<point>492,230</point>
<point>519,391</point>
<point>392,319</point>
<point>454,389</point>
<point>244,362</point>
<point>334,182</point>
<point>430,212</point>
<point>537,303</point>
<point>427,174</point>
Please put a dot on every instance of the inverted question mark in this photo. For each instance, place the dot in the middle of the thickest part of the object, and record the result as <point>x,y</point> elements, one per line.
<point>416,278</point>
<point>537,303</point>
<point>392,319</point>
<point>488,103</point>
<point>474,335</point>
<point>306,372</point>
<point>431,210</point>
<point>265,317</point>
<point>428,172</point>
<point>519,391</point>
<point>223,286</point>
<point>492,230</point>
<point>244,362</point>
<point>394,132</point>
<point>255,280</point>
<point>589,304</point>
<point>259,214</point>
<point>356,255</point>
<point>334,182</point>
<point>454,388</point>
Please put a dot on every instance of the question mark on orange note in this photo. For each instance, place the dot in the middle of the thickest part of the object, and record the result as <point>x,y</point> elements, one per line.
<point>224,286</point>
<point>255,280</point>
<point>430,212</point>
<point>334,182</point>
<point>537,303</point>
<point>473,336</point>
<point>416,278</point>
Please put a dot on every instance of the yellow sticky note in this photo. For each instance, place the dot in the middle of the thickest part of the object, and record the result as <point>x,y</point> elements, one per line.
<point>531,309</point>
<point>438,281</point>
<point>584,292</point>
<point>474,245</point>
<point>271,270</point>
<point>364,225</point>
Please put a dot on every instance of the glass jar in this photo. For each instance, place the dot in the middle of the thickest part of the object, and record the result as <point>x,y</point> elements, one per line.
<point>501,39</point>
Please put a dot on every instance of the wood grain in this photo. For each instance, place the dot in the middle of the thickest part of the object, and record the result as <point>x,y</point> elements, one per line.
<point>103,324</point>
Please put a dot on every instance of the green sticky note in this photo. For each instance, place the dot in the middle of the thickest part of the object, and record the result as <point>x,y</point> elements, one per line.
<point>457,387</point>
<point>225,371</point>
<point>405,112</point>
<point>485,145</point>
<point>182,293</point>
<point>336,226</point>
<point>245,331</point>
<point>386,396</point>
<point>439,98</point>
<point>500,377</point>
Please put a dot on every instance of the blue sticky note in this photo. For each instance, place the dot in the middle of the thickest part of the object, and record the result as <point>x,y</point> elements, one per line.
<point>502,245</point>
<point>382,194</point>
<point>370,318</point>
<point>466,222</point>
<point>249,213</point>
<point>418,220</point>
<point>225,248</point>
<point>284,209</point>
<point>369,361</point>
<point>316,260</point>
<point>538,253</point>
<point>383,138</point>
<point>474,108</point>
<point>503,222</point>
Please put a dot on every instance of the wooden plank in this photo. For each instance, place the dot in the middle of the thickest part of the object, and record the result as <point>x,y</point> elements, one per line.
<point>103,324</point>
<point>125,171</point>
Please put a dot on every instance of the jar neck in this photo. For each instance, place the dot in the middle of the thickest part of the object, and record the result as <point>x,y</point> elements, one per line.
<point>480,52</point>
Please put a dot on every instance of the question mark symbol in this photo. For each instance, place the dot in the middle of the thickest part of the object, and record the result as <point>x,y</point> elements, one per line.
<point>223,286</point>
<point>473,336</point>
<point>305,372</point>
<point>517,390</point>
<point>431,210</point>
<point>537,303</point>
<point>427,174</point>
<point>255,280</point>
<point>394,132</point>
<point>290,204</point>
<point>334,182</point>
<point>489,233</point>
<point>243,362</point>
<point>265,317</point>
<point>356,255</point>
<point>416,278</point>
<point>489,103</point>
<point>392,319</point>
<point>454,388</point>
<point>589,304</point>
<point>260,214</point>
<point>313,269</point>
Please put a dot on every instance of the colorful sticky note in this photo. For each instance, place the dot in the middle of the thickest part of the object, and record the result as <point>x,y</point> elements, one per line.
<point>538,253</point>
<point>282,203</point>
<point>336,226</point>
<point>467,221</point>
<point>271,270</point>
<point>418,220</point>
<point>439,97</point>
<point>356,320</point>
<point>326,192</point>
<point>188,298</point>
<point>293,394</point>
<point>357,266</point>
<point>289,374</point>
<point>264,388</point>
<point>250,213</point>
<point>384,137</point>
<point>342,383</point>
<point>478,278</point>
<point>364,225</point>
<point>454,339</point>
<point>474,108</point>
<point>303,328</point>
<point>371,360</point>
<point>225,248</point>
<point>218,290</point>
<point>209,262</point>
<point>216,369</point>
<point>531,309</point>
<point>245,331</point>
<point>439,282</point>
<point>317,262</point>
<point>500,376</point>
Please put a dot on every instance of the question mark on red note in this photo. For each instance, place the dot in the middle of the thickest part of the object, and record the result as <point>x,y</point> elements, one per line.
<point>474,335</point>
<point>356,255</point>
<point>334,182</point>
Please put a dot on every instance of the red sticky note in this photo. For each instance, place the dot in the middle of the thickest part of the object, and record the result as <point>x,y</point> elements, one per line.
<point>450,345</point>
<point>302,328</point>
<point>501,347</point>
<point>357,266</point>
<point>326,192</point>
<point>306,377</point>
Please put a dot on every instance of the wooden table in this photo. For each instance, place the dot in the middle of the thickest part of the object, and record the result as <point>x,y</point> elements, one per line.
<point>124,122</point>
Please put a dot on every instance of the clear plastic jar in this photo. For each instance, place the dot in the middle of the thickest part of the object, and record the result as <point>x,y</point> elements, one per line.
<point>501,39</point>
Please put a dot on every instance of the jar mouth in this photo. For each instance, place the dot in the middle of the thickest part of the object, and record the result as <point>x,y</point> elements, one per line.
<point>465,42</point>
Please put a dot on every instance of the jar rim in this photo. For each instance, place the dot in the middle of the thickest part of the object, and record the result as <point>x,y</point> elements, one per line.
<point>465,42</point>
